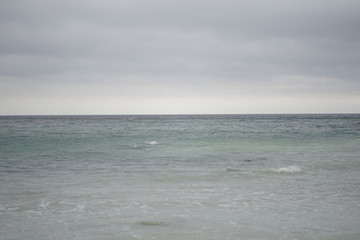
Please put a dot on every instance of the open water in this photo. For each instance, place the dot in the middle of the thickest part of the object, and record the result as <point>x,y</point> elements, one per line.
<point>180,177</point>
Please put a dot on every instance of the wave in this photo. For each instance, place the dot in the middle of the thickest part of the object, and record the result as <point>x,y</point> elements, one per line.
<point>288,169</point>
<point>153,223</point>
<point>232,169</point>
<point>152,142</point>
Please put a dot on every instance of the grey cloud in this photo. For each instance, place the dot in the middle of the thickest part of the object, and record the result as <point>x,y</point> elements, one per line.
<point>227,41</point>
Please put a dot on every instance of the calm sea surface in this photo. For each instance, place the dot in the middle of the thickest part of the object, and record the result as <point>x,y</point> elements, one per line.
<point>180,177</point>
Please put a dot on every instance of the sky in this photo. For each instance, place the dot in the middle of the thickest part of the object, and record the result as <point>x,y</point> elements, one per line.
<point>179,56</point>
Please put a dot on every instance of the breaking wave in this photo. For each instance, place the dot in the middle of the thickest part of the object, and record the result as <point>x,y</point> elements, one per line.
<point>288,169</point>
<point>152,142</point>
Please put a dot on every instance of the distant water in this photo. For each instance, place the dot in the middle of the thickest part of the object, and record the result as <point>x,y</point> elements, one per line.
<point>191,177</point>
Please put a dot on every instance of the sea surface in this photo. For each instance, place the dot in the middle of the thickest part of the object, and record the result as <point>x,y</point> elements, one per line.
<point>180,177</point>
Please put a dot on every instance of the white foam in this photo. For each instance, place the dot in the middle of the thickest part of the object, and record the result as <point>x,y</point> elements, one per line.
<point>289,169</point>
<point>152,142</point>
<point>44,204</point>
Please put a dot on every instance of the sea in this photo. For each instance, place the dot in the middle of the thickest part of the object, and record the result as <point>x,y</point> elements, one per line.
<point>180,177</point>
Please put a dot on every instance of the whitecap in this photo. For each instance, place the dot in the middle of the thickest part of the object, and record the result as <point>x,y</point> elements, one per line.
<point>289,169</point>
<point>44,204</point>
<point>152,142</point>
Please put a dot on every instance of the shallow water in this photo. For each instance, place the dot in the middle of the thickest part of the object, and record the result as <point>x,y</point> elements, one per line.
<point>180,177</point>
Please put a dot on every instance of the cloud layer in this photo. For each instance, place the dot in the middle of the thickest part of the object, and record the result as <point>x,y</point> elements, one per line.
<point>128,56</point>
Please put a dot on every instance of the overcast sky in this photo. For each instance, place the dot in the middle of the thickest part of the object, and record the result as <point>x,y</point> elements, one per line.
<point>179,56</point>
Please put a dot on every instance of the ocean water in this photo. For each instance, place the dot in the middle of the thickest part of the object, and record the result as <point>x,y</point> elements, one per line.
<point>198,177</point>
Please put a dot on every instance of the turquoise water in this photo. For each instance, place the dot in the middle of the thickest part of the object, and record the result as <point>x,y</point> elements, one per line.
<point>180,177</point>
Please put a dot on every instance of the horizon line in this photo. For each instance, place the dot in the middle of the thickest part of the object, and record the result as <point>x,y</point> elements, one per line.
<point>175,114</point>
